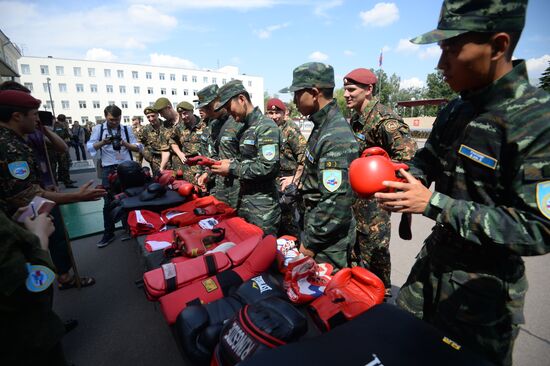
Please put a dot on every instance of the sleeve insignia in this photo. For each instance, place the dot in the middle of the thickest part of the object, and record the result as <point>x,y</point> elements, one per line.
<point>543,198</point>
<point>478,157</point>
<point>391,126</point>
<point>249,142</point>
<point>19,169</point>
<point>39,278</point>
<point>360,136</point>
<point>269,151</point>
<point>332,179</point>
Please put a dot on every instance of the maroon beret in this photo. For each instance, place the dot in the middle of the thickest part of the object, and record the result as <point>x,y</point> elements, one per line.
<point>17,98</point>
<point>361,76</point>
<point>275,103</point>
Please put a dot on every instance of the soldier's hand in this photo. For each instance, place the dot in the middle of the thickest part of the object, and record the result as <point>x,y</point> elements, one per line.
<point>222,168</point>
<point>202,180</point>
<point>41,226</point>
<point>85,193</point>
<point>183,158</point>
<point>284,182</point>
<point>411,196</point>
<point>307,252</point>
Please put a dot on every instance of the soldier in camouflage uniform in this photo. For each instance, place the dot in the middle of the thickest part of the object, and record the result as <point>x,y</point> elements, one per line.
<point>136,129</point>
<point>489,157</point>
<point>154,138</point>
<point>186,140</point>
<point>292,164</point>
<point>220,141</point>
<point>374,124</point>
<point>329,226</point>
<point>62,159</point>
<point>256,165</point>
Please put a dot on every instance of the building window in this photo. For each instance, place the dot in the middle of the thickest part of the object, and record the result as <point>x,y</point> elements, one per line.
<point>63,88</point>
<point>175,105</point>
<point>194,78</point>
<point>25,69</point>
<point>149,90</point>
<point>85,119</point>
<point>60,70</point>
<point>249,82</point>
<point>79,88</point>
<point>138,105</point>
<point>163,91</point>
<point>135,75</point>
<point>44,70</point>
<point>205,79</point>
<point>109,88</point>
<point>122,89</point>
<point>99,119</point>
<point>126,119</point>
<point>77,71</point>
<point>151,104</point>
<point>48,105</point>
<point>185,92</point>
<point>29,86</point>
<point>214,80</point>
<point>107,73</point>
<point>184,78</point>
<point>120,73</point>
<point>91,72</point>
<point>93,88</point>
<point>111,102</point>
<point>161,76</point>
<point>136,89</point>
<point>224,81</point>
<point>46,89</point>
<point>195,92</point>
<point>95,103</point>
<point>82,104</point>
<point>174,92</point>
<point>124,104</point>
<point>173,77</point>
<point>65,104</point>
<point>148,75</point>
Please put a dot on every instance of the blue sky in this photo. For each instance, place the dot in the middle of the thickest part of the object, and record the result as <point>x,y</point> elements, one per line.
<point>262,37</point>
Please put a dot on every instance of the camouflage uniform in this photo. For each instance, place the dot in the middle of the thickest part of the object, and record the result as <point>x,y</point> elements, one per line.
<point>154,142</point>
<point>138,156</point>
<point>489,158</point>
<point>62,159</point>
<point>189,140</point>
<point>292,154</point>
<point>19,172</point>
<point>378,125</point>
<point>329,225</point>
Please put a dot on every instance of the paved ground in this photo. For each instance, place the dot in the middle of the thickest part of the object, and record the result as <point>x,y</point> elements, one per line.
<point>118,326</point>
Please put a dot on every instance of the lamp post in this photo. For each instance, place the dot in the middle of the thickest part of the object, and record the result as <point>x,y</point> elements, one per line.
<point>50,93</point>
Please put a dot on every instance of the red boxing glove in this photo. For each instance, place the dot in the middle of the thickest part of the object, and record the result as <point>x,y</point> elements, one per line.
<point>201,160</point>
<point>185,189</point>
<point>367,173</point>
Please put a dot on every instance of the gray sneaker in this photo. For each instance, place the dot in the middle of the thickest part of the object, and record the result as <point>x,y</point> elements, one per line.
<point>106,240</point>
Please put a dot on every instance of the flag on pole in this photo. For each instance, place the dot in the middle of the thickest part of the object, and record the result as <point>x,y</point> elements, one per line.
<point>380,59</point>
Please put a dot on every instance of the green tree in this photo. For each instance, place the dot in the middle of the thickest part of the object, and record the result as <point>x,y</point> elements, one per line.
<point>387,88</point>
<point>339,96</point>
<point>406,94</point>
<point>436,88</point>
<point>544,81</point>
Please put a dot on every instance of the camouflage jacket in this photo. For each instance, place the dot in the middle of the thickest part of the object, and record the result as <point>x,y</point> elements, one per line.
<point>137,131</point>
<point>489,156</point>
<point>62,131</point>
<point>19,173</point>
<point>326,191</point>
<point>154,140</point>
<point>189,139</point>
<point>257,162</point>
<point>379,125</point>
<point>293,147</point>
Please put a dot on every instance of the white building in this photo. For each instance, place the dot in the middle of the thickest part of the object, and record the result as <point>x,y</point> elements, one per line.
<point>9,54</point>
<point>81,89</point>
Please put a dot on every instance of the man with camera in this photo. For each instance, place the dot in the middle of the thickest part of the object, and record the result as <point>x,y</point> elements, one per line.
<point>115,144</point>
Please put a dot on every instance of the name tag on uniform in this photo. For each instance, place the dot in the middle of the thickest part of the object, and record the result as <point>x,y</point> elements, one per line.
<point>19,169</point>
<point>227,138</point>
<point>478,157</point>
<point>249,142</point>
<point>309,156</point>
<point>360,136</point>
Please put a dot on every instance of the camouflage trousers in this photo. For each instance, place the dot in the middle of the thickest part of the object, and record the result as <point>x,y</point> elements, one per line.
<point>189,172</point>
<point>153,160</point>
<point>262,210</point>
<point>226,189</point>
<point>372,247</point>
<point>339,253</point>
<point>61,163</point>
<point>475,295</point>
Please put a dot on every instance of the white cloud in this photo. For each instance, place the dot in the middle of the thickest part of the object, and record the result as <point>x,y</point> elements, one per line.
<point>211,4</point>
<point>413,82</point>
<point>382,15</point>
<point>100,54</point>
<point>170,61</point>
<point>430,52</point>
<point>143,14</point>
<point>318,56</point>
<point>535,68</point>
<point>349,53</point>
<point>386,48</point>
<point>321,10</point>
<point>405,46</point>
<point>266,32</point>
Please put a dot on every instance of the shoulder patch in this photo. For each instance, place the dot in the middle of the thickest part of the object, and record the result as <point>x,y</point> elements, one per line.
<point>478,157</point>
<point>269,151</point>
<point>391,126</point>
<point>19,169</point>
<point>543,198</point>
<point>249,142</point>
<point>332,179</point>
<point>39,278</point>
